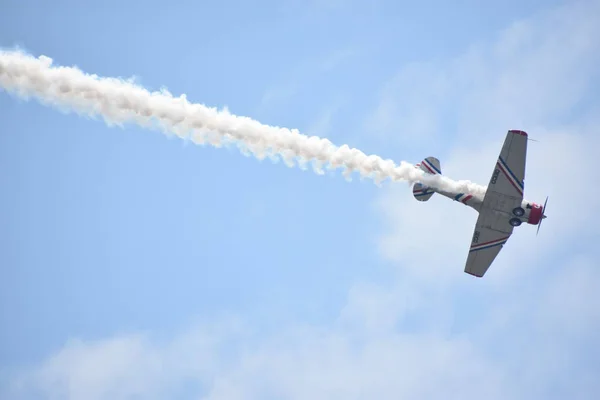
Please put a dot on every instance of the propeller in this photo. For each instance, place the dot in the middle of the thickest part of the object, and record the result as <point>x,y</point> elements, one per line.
<point>543,216</point>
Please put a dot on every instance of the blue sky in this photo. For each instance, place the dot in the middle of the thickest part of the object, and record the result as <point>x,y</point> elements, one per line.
<point>132,263</point>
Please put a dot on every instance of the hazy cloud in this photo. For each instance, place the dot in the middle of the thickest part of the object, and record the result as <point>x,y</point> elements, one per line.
<point>527,330</point>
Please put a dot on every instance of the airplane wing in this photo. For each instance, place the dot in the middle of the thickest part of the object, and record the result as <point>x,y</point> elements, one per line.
<point>504,193</point>
<point>508,178</point>
<point>490,235</point>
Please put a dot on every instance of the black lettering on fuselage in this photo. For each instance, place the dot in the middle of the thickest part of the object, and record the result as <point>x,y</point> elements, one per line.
<point>495,176</point>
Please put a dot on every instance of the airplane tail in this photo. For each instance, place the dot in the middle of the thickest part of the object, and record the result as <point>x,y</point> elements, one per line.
<point>430,165</point>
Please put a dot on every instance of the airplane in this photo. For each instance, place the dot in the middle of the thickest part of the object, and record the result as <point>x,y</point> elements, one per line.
<point>502,208</point>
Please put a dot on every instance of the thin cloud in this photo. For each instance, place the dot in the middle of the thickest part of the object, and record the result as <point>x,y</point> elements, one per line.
<point>526,331</point>
<point>301,74</point>
<point>536,71</point>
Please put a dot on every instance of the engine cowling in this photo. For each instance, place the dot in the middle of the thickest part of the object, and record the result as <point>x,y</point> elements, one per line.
<point>535,214</point>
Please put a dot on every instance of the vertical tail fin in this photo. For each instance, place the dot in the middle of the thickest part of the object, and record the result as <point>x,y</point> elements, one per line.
<point>430,165</point>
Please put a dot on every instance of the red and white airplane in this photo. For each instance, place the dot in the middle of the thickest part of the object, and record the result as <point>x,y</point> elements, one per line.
<point>502,207</point>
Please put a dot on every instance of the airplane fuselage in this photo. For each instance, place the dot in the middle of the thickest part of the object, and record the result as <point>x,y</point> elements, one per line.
<point>532,211</point>
<point>511,188</point>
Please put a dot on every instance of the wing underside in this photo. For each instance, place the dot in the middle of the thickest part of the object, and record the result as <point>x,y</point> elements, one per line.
<point>490,235</point>
<point>508,177</point>
<point>504,194</point>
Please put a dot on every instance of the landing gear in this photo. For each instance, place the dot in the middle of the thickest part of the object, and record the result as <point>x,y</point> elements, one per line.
<point>519,212</point>
<point>515,221</point>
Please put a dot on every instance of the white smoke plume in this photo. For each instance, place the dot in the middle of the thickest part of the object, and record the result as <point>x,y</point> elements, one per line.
<point>119,101</point>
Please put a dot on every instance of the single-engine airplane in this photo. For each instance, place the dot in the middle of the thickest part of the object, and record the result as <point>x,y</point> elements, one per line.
<point>502,208</point>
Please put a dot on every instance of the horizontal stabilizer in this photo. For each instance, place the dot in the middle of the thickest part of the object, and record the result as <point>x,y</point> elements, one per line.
<point>422,192</point>
<point>431,166</point>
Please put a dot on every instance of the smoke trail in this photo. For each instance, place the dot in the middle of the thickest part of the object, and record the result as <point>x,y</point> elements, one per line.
<point>118,101</point>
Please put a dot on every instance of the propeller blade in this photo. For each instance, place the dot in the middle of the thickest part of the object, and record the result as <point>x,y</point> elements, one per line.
<point>543,216</point>
<point>544,208</point>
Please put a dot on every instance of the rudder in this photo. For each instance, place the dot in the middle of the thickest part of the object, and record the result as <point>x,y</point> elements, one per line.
<point>431,166</point>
